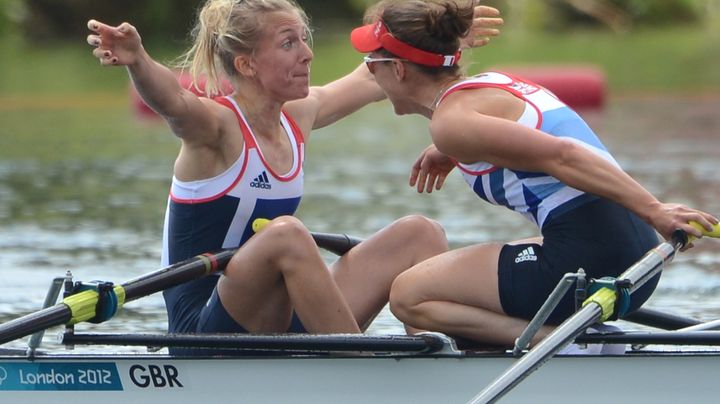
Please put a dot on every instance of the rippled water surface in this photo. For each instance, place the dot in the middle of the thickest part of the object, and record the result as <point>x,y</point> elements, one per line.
<point>102,218</point>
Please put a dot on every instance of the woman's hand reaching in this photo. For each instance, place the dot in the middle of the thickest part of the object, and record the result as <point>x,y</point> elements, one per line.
<point>430,170</point>
<point>484,27</point>
<point>114,46</point>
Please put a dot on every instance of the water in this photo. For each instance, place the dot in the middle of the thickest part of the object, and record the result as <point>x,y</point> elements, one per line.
<point>101,217</point>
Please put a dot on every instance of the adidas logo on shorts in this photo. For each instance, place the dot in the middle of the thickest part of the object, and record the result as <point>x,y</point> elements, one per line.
<point>261,181</point>
<point>527,254</point>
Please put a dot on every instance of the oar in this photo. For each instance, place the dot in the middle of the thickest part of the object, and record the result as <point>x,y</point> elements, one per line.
<point>658,319</point>
<point>82,306</point>
<point>597,308</point>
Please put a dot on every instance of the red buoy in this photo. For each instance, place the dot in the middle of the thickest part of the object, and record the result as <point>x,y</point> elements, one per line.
<point>580,87</point>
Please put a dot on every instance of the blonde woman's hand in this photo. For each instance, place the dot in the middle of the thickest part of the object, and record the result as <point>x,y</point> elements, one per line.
<point>114,46</point>
<point>430,170</point>
<point>485,25</point>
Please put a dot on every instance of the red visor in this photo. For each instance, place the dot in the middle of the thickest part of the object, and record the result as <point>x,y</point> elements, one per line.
<point>372,37</point>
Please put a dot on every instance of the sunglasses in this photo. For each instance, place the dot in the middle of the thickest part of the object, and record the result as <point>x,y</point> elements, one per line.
<point>370,61</point>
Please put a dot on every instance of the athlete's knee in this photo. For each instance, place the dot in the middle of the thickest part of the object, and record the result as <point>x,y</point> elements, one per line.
<point>285,231</point>
<point>404,298</point>
<point>291,241</point>
<point>418,228</point>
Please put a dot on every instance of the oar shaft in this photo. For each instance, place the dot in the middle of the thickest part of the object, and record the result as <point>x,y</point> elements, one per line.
<point>195,268</point>
<point>206,264</point>
<point>650,264</point>
<point>31,323</point>
<point>177,274</point>
<point>710,325</point>
<point>337,244</point>
<point>548,347</point>
<point>658,319</point>
<point>173,275</point>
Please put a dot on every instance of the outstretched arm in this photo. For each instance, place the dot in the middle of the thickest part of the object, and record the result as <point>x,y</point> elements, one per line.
<point>508,144</point>
<point>186,113</point>
<point>331,102</point>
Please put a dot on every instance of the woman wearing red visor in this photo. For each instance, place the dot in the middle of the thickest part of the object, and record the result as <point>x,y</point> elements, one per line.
<point>517,146</point>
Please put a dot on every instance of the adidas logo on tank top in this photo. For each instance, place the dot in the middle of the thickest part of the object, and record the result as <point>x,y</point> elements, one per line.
<point>261,181</point>
<point>527,254</point>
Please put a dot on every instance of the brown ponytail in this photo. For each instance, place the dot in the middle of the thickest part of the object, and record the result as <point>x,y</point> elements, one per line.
<point>449,22</point>
<point>431,25</point>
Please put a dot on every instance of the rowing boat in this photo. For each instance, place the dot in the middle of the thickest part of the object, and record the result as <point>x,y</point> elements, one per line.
<point>363,369</point>
<point>676,363</point>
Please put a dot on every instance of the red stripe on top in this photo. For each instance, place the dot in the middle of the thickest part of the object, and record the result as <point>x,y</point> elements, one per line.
<point>252,143</point>
<point>248,143</point>
<point>247,134</point>
<point>505,87</point>
<point>299,140</point>
<point>478,173</point>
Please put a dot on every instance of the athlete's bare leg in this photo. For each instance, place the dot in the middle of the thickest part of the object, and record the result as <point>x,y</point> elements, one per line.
<point>457,293</point>
<point>280,270</point>
<point>365,274</point>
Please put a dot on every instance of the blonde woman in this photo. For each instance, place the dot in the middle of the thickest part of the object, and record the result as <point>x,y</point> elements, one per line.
<point>241,158</point>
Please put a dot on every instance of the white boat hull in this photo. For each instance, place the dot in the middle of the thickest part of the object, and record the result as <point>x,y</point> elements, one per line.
<point>632,378</point>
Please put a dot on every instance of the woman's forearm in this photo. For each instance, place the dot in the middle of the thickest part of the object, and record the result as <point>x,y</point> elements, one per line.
<point>346,95</point>
<point>157,85</point>
<point>588,172</point>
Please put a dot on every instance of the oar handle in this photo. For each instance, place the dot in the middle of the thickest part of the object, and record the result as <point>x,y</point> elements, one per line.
<point>715,232</point>
<point>681,238</point>
<point>338,244</point>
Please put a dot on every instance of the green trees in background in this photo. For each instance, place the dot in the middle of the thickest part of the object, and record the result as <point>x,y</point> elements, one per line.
<point>618,15</point>
<point>42,20</point>
<point>621,15</point>
<point>62,19</point>
<point>11,12</point>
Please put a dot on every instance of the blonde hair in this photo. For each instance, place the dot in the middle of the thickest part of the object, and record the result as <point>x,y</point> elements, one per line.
<point>224,29</point>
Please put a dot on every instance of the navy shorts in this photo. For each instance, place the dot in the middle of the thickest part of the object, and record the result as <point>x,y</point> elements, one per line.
<point>215,319</point>
<point>601,237</point>
<point>195,307</point>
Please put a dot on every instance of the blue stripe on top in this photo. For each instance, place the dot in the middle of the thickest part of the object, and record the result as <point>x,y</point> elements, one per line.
<point>564,122</point>
<point>497,186</point>
<point>532,201</point>
<point>535,195</point>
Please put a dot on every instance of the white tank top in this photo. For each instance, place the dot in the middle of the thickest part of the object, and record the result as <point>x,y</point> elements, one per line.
<point>218,212</point>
